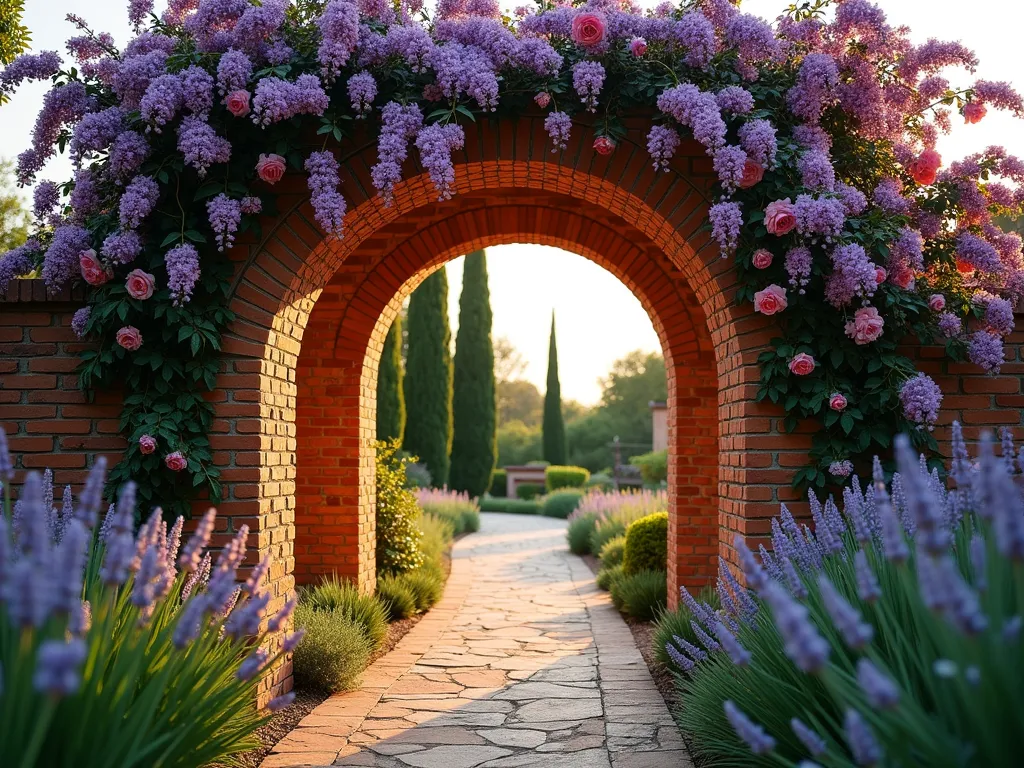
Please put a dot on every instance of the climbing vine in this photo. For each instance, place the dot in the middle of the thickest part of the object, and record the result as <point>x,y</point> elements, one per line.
<point>832,203</point>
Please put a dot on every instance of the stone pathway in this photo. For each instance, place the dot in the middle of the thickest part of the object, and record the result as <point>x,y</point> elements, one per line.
<point>524,662</point>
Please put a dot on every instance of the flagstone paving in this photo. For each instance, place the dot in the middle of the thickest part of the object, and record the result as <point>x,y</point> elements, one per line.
<point>524,662</point>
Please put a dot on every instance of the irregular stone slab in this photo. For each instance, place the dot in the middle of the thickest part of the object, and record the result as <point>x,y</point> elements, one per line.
<point>530,690</point>
<point>514,737</point>
<point>453,756</point>
<point>544,710</point>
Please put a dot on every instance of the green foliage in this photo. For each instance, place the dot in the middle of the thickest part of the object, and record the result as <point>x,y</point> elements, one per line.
<point>417,475</point>
<point>641,595</point>
<point>518,444</point>
<point>608,576</point>
<point>553,428</point>
<point>462,514</point>
<point>14,216</point>
<point>428,378</point>
<point>510,506</point>
<point>579,531</point>
<point>561,504</point>
<point>474,408</point>
<point>14,36</point>
<point>333,653</point>
<point>653,466</point>
<point>343,597</point>
<point>390,394</point>
<point>529,491</point>
<point>499,483</point>
<point>520,401</point>
<point>612,551</point>
<point>397,598</point>
<point>398,535</point>
<point>556,477</point>
<point>426,586</point>
<point>677,623</point>
<point>601,480</point>
<point>646,544</point>
<point>437,537</point>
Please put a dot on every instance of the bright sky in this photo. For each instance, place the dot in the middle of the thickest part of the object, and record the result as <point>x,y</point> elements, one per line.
<point>598,319</point>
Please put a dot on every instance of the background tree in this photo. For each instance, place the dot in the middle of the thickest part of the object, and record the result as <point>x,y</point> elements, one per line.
<point>554,426</point>
<point>390,397</point>
<point>474,446</point>
<point>14,218</point>
<point>509,365</point>
<point>14,36</point>
<point>428,378</point>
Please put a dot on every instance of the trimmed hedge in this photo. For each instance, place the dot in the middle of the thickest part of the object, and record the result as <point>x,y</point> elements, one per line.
<point>561,504</point>
<point>646,544</point>
<point>556,477</point>
<point>499,483</point>
<point>510,506</point>
<point>529,491</point>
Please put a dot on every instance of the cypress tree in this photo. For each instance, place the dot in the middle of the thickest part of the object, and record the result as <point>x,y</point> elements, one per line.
<point>428,378</point>
<point>390,397</point>
<point>553,427</point>
<point>474,445</point>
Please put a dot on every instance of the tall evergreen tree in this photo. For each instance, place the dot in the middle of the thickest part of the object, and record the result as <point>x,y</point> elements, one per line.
<point>428,378</point>
<point>390,397</point>
<point>553,426</point>
<point>474,445</point>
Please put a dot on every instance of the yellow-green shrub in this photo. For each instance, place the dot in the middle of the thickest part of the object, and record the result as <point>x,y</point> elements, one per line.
<point>646,544</point>
<point>556,477</point>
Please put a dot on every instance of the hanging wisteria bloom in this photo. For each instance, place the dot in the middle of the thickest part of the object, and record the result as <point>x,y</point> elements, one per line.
<point>328,203</point>
<point>558,125</point>
<point>587,79</point>
<point>183,271</point>
<point>436,143</point>
<point>362,90</point>
<point>662,143</point>
<point>399,124</point>
<point>921,398</point>
<point>726,221</point>
<point>225,215</point>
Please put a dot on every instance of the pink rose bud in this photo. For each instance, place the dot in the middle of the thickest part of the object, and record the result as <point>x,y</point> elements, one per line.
<point>752,174</point>
<point>270,168</point>
<point>638,46</point>
<point>175,461</point>
<point>973,112</point>
<point>771,300</point>
<point>936,302</point>
<point>603,145</point>
<point>780,217</point>
<point>129,338</point>
<point>588,29</point>
<point>837,402</point>
<point>542,99</point>
<point>237,103</point>
<point>147,444</point>
<point>880,275</point>
<point>762,259</point>
<point>140,284</point>
<point>802,364</point>
<point>93,271</point>
<point>866,325</point>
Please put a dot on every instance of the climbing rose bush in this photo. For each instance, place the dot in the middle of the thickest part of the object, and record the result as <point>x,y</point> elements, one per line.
<point>888,635</point>
<point>124,649</point>
<point>821,129</point>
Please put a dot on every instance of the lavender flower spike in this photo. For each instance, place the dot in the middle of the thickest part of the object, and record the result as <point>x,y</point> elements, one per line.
<point>893,543</point>
<point>57,667</point>
<point>679,659</point>
<point>740,656</point>
<point>808,737</point>
<point>925,510</point>
<point>855,632</point>
<point>751,733</point>
<point>803,644</point>
<point>867,585</point>
<point>756,577</point>
<point>880,690</point>
<point>866,751</point>
<point>91,499</point>
<point>704,638</point>
<point>697,654</point>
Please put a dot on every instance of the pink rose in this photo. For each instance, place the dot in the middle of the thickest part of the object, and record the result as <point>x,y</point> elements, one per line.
<point>880,275</point>
<point>270,168</point>
<point>802,364</point>
<point>903,277</point>
<point>771,300</point>
<point>837,402</point>
<point>638,46</point>
<point>588,29</point>
<point>780,217</point>
<point>866,325</point>
<point>936,302</point>
<point>924,169</point>
<point>604,145</point>
<point>237,103</point>
<point>542,99</point>
<point>752,174</point>
<point>140,284</point>
<point>175,461</point>
<point>93,271</point>
<point>129,338</point>
<point>147,444</point>
<point>973,112</point>
<point>762,259</point>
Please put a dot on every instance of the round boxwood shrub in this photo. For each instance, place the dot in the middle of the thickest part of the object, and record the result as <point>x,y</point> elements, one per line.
<point>499,483</point>
<point>343,597</point>
<point>561,504</point>
<point>579,532</point>
<point>607,576</point>
<point>646,544</point>
<point>529,491</point>
<point>333,652</point>
<point>556,477</point>
<point>399,601</point>
<point>642,595</point>
<point>611,552</point>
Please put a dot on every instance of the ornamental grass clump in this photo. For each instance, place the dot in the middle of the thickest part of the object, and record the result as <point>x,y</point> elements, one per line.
<point>612,512</point>
<point>122,649</point>
<point>890,634</point>
<point>344,598</point>
<point>456,507</point>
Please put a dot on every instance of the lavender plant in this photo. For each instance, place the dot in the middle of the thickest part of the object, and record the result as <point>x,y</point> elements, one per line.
<point>122,649</point>
<point>888,635</point>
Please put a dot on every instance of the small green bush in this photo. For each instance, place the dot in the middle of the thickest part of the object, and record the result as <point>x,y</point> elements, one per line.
<point>611,552</point>
<point>561,504</point>
<point>556,477</point>
<point>601,480</point>
<point>398,533</point>
<point>426,585</point>
<point>653,466</point>
<point>397,598</point>
<point>335,595</point>
<point>607,576</point>
<point>529,491</point>
<point>641,595</point>
<point>646,544</point>
<point>437,535</point>
<point>607,529</point>
<point>677,623</point>
<point>333,652</point>
<point>499,483</point>
<point>580,529</point>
